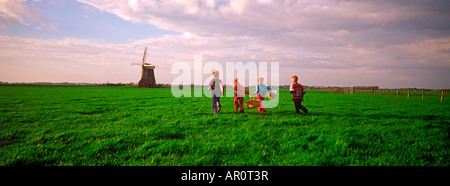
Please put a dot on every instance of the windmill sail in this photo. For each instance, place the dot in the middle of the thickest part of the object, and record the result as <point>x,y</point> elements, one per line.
<point>145,54</point>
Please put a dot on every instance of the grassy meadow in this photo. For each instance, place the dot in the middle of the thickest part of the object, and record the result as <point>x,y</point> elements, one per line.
<point>43,125</point>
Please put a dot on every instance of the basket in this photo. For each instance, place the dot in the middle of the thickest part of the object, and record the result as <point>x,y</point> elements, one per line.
<point>252,103</point>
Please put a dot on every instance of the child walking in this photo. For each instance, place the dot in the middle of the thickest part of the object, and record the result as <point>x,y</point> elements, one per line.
<point>216,88</point>
<point>297,92</point>
<point>261,90</point>
<point>239,93</point>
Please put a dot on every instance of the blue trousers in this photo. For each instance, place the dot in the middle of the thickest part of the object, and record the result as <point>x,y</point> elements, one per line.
<point>215,104</point>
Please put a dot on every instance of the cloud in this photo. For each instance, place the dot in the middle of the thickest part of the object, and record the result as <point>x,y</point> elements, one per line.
<point>257,17</point>
<point>78,60</point>
<point>69,59</point>
<point>345,43</point>
<point>15,12</point>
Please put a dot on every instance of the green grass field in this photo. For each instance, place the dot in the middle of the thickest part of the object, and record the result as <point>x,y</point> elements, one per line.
<point>132,126</point>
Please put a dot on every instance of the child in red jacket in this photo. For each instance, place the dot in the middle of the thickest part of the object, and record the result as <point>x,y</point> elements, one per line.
<point>297,92</point>
<point>239,93</point>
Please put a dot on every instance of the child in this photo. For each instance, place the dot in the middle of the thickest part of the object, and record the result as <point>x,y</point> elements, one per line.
<point>297,92</point>
<point>261,90</point>
<point>216,88</point>
<point>239,93</point>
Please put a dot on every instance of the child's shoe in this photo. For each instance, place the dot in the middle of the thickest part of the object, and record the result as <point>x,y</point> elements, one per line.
<point>305,110</point>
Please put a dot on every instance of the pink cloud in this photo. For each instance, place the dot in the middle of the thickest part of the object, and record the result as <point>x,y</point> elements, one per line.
<point>326,43</point>
<point>15,12</point>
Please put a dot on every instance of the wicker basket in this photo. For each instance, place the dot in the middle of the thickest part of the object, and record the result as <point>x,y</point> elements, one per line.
<point>252,103</point>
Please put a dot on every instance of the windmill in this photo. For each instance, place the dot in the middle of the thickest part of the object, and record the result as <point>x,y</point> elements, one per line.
<point>147,73</point>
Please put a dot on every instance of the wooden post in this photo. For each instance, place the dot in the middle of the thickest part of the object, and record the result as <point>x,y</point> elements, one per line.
<point>381,92</point>
<point>422,94</point>
<point>397,93</point>
<point>389,93</point>
<point>442,95</point>
<point>408,93</point>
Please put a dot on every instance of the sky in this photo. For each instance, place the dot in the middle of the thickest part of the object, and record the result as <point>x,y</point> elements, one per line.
<point>391,44</point>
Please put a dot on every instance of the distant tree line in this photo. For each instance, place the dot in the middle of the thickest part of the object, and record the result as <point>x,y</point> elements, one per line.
<point>373,88</point>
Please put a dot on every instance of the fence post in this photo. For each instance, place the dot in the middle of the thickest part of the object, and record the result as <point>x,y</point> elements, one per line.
<point>381,92</point>
<point>408,93</point>
<point>397,93</point>
<point>442,95</point>
<point>389,93</point>
<point>422,94</point>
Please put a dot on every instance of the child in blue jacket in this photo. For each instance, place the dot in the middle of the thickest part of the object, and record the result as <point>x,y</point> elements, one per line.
<point>261,90</point>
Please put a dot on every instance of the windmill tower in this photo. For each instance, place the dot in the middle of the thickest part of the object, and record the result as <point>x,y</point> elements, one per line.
<point>147,73</point>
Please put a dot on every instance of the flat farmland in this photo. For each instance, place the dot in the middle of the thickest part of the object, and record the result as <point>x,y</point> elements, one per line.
<point>43,125</point>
